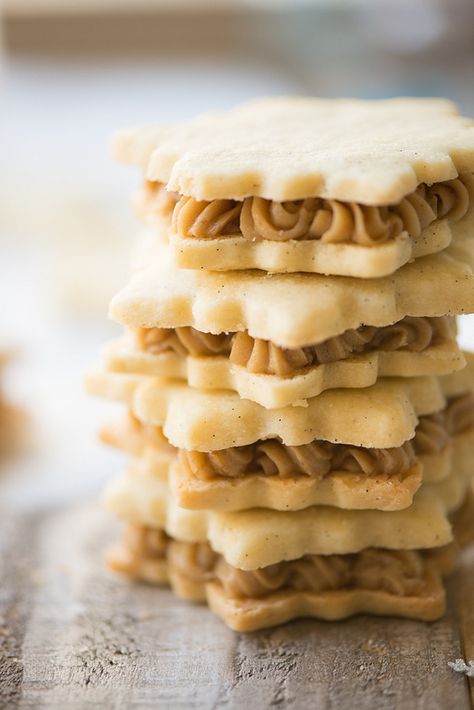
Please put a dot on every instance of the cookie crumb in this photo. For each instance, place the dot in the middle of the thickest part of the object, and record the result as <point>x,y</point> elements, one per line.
<point>460,666</point>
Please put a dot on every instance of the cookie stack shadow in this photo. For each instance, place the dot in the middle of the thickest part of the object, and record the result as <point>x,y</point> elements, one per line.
<point>299,416</point>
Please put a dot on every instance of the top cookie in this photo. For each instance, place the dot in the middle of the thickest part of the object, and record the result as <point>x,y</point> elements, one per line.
<point>289,148</point>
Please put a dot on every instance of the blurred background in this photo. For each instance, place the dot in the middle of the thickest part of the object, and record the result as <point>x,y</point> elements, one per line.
<point>74,71</point>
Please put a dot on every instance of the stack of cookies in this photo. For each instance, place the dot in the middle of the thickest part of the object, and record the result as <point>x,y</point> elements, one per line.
<point>300,418</point>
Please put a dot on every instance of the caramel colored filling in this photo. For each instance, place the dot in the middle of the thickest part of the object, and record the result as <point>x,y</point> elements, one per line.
<point>396,572</point>
<point>459,414</point>
<point>319,458</point>
<point>148,434</point>
<point>330,221</point>
<point>144,542</point>
<point>399,572</point>
<point>413,334</point>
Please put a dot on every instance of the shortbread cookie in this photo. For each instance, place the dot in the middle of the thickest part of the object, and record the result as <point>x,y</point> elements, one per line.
<point>375,580</point>
<point>456,456</point>
<point>382,416</point>
<point>366,482</point>
<point>373,152</point>
<point>462,381</point>
<point>431,438</point>
<point>268,474</point>
<point>141,555</point>
<point>255,538</point>
<point>292,310</point>
<point>299,184</point>
<point>312,256</point>
<point>276,377</point>
<point>313,235</point>
<point>284,478</point>
<point>138,439</point>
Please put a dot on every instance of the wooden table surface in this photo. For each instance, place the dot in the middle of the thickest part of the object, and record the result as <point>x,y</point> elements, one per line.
<point>73,636</point>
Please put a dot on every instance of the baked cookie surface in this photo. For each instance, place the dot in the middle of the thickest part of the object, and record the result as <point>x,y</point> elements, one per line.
<point>344,187</point>
<point>373,152</point>
<point>269,474</point>
<point>377,581</point>
<point>383,415</point>
<point>291,310</point>
<point>314,236</point>
<point>254,538</point>
<point>275,377</point>
<point>300,418</point>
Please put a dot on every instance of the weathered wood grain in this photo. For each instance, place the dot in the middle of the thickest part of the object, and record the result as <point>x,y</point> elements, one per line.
<point>78,638</point>
<point>462,587</point>
<point>16,563</point>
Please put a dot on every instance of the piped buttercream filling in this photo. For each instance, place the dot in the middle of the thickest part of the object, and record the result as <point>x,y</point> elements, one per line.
<point>398,572</point>
<point>329,221</point>
<point>413,334</point>
<point>317,459</point>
